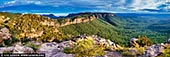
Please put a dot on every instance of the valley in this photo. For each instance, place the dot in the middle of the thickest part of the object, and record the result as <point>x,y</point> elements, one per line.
<point>108,32</point>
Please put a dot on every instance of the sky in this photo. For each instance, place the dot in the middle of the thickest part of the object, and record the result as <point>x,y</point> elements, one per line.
<point>71,6</point>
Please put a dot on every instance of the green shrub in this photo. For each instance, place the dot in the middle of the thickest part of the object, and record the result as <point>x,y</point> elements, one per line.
<point>166,52</point>
<point>32,45</point>
<point>128,54</point>
<point>68,50</point>
<point>85,47</point>
<point>144,41</point>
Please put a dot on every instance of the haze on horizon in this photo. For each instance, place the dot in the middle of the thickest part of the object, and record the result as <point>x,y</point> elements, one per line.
<point>73,6</point>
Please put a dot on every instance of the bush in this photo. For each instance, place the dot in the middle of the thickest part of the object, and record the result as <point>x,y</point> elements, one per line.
<point>128,54</point>
<point>11,41</point>
<point>144,41</point>
<point>67,50</point>
<point>166,52</point>
<point>85,47</point>
<point>32,45</point>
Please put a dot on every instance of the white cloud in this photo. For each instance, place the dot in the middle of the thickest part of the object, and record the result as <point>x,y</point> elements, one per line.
<point>11,2</point>
<point>147,4</point>
<point>110,5</point>
<point>21,2</point>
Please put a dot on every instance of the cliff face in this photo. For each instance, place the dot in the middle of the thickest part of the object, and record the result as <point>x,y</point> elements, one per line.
<point>83,17</point>
<point>76,20</point>
<point>103,15</point>
<point>96,14</point>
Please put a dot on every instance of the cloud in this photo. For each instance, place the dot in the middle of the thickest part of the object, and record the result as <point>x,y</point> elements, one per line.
<point>147,4</point>
<point>20,2</point>
<point>107,5</point>
<point>165,7</point>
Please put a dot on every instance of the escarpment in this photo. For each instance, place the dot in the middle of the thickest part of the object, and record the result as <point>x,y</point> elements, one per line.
<point>37,27</point>
<point>82,18</point>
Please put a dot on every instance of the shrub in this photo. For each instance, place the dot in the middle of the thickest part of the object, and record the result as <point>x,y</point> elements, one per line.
<point>85,47</point>
<point>67,50</point>
<point>32,45</point>
<point>166,52</point>
<point>144,41</point>
<point>128,54</point>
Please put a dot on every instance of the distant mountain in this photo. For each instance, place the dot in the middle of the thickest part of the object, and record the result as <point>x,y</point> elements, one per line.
<point>97,14</point>
<point>50,15</point>
<point>153,15</point>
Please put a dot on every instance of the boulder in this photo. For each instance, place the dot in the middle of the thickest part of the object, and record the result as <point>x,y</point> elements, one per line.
<point>167,41</point>
<point>55,49</point>
<point>133,42</point>
<point>112,54</point>
<point>48,49</point>
<point>153,51</point>
<point>5,33</point>
<point>16,49</point>
<point>61,54</point>
<point>22,49</point>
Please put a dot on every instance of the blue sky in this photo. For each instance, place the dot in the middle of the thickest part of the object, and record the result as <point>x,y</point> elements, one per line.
<point>71,6</point>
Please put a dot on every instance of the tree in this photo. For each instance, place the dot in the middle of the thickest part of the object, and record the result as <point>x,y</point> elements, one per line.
<point>144,41</point>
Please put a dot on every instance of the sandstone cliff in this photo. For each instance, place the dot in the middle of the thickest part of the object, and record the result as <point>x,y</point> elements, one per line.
<point>83,17</point>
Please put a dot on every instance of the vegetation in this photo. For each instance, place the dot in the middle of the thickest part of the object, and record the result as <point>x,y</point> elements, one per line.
<point>144,41</point>
<point>32,45</point>
<point>33,27</point>
<point>131,52</point>
<point>85,47</point>
<point>117,29</point>
<point>166,52</point>
<point>128,54</point>
<point>95,27</point>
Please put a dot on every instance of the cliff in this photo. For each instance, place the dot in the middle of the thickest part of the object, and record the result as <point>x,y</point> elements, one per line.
<point>37,26</point>
<point>96,14</point>
<point>83,17</point>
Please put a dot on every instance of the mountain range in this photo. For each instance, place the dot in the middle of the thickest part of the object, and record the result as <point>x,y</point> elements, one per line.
<point>99,33</point>
<point>118,27</point>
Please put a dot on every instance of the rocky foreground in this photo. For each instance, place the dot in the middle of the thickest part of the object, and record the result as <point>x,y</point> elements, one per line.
<point>54,49</point>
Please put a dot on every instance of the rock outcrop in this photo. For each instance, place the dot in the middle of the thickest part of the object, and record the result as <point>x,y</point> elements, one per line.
<point>112,54</point>
<point>54,50</point>
<point>96,14</point>
<point>157,49</point>
<point>133,42</point>
<point>167,41</point>
<point>77,20</point>
<point>154,50</point>
<point>84,17</point>
<point>16,49</point>
<point>4,35</point>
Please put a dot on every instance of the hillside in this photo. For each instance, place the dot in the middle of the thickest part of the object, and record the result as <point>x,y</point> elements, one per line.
<point>27,27</point>
<point>32,27</point>
<point>101,34</point>
<point>100,25</point>
<point>120,29</point>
